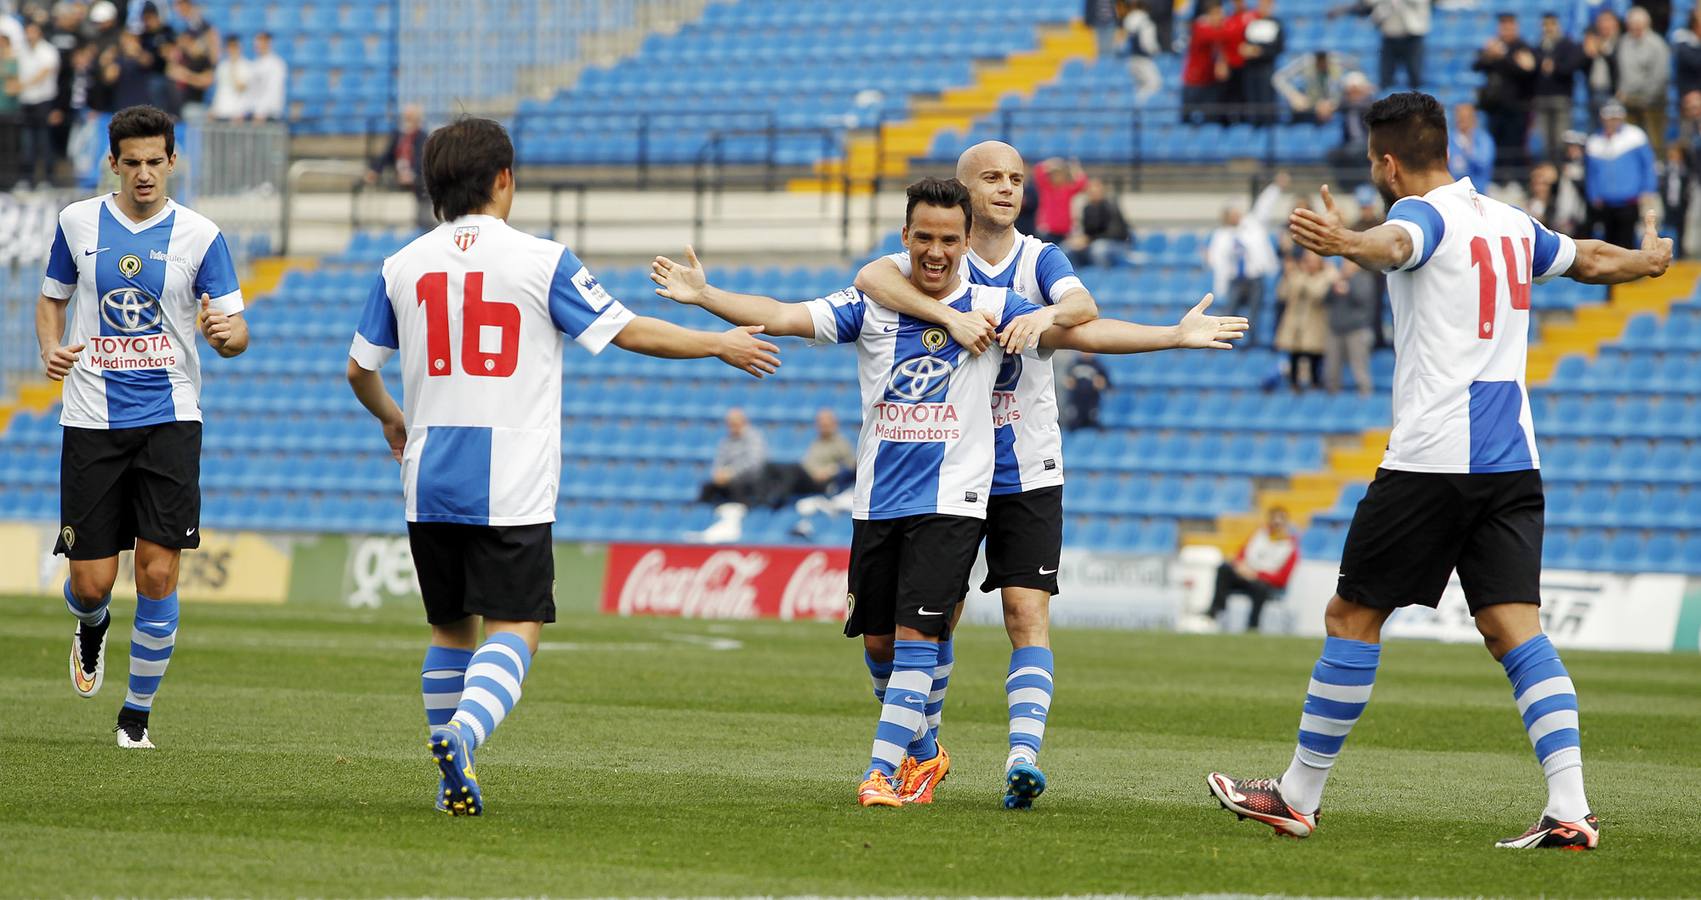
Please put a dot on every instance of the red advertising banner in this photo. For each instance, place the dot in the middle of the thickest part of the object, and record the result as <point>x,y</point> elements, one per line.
<point>697,582</point>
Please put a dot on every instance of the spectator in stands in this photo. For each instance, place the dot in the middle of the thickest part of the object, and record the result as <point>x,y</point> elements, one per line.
<point>1403,24</point>
<point>1571,204</point>
<point>1143,49</point>
<point>1057,183</point>
<point>1689,126</point>
<point>126,70</point>
<point>828,466</point>
<point>1644,74</point>
<point>1357,93</point>
<point>66,35</point>
<point>1508,92</point>
<point>1204,69</point>
<point>231,81</point>
<point>1555,201</point>
<point>1600,60</point>
<point>1303,332</point>
<point>269,81</point>
<point>400,162</point>
<point>1272,205</point>
<point>1234,45</point>
<point>10,84</point>
<point>1619,174</point>
<point>194,23</point>
<point>1311,84</point>
<point>38,85</point>
<point>158,39</point>
<point>1240,255</point>
<point>190,68</point>
<point>1354,303</point>
<point>1686,47</point>
<point>1265,40</point>
<point>738,462</point>
<point>1261,569</point>
<point>1084,383</point>
<point>1558,59</point>
<point>1585,14</point>
<point>1029,212</point>
<point>1470,150</point>
<point>1675,188</point>
<point>1100,16</point>
<point>1103,240</point>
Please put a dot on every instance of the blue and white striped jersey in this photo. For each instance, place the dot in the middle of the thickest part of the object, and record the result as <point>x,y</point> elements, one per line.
<point>926,444</point>
<point>1461,331</point>
<point>479,311</point>
<point>135,292</point>
<point>1029,442</point>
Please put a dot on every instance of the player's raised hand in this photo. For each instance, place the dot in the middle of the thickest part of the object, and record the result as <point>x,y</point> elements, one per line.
<point>1657,248</point>
<point>59,361</point>
<point>1024,331</point>
<point>1198,331</point>
<point>1324,233</point>
<point>214,324</point>
<point>681,283</point>
<point>742,349</point>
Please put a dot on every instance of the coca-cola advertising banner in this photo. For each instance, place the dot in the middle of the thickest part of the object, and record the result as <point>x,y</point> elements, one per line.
<point>726,582</point>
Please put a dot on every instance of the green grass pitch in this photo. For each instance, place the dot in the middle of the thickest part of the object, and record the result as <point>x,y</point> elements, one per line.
<point>687,758</point>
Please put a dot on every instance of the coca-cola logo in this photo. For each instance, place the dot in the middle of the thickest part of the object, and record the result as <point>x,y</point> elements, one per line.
<point>719,588</point>
<point>816,590</point>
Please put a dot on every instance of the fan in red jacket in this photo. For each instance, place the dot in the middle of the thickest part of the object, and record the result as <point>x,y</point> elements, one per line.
<point>1261,568</point>
<point>1205,67</point>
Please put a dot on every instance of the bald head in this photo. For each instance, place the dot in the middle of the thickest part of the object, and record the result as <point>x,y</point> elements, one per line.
<point>994,174</point>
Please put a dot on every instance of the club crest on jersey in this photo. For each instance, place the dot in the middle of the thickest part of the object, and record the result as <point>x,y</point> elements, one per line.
<point>1009,373</point>
<point>465,236</point>
<point>933,339</point>
<point>129,264</point>
<point>129,310</point>
<point>918,379</point>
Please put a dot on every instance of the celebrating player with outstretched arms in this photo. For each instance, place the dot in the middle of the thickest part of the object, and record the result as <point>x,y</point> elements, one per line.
<point>127,277</point>
<point>926,459</point>
<point>479,312</point>
<point>1459,487</point>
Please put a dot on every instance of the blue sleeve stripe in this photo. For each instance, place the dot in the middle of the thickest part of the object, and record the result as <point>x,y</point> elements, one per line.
<point>848,316</point>
<point>1426,218</point>
<point>571,312</point>
<point>1544,250</point>
<point>378,319</point>
<point>1015,305</point>
<point>1051,267</point>
<point>216,276</point>
<point>61,267</point>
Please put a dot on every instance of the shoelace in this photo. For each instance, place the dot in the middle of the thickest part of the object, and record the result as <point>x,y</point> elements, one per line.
<point>1261,784</point>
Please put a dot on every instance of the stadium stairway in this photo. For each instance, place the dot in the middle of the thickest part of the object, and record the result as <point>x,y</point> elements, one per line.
<point>888,152</point>
<point>1567,356</point>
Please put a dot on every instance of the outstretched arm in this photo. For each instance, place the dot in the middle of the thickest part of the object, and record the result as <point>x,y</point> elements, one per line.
<point>738,347</point>
<point>1324,233</point>
<point>689,284</point>
<point>882,281</point>
<point>1599,262</point>
<point>1076,308</point>
<point>1196,330</point>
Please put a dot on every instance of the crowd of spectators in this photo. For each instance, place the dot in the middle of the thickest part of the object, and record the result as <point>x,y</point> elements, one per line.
<point>67,65</point>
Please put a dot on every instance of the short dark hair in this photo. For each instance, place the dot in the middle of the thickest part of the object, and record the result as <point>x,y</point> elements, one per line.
<point>461,162</point>
<point>1411,127</point>
<point>141,122</point>
<point>941,192</point>
<point>1507,17</point>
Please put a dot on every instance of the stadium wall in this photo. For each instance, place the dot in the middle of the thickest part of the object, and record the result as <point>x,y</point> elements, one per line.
<point>1601,611</point>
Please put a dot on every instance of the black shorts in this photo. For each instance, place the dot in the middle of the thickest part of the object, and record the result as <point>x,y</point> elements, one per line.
<point>910,572</point>
<point>1024,539</point>
<point>120,484</point>
<point>499,572</point>
<point>1413,529</point>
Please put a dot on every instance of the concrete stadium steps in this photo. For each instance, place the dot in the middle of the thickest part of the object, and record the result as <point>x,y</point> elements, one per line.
<point>889,153</point>
<point>1306,494</point>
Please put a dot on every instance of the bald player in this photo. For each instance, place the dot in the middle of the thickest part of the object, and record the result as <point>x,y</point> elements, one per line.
<point>1024,516</point>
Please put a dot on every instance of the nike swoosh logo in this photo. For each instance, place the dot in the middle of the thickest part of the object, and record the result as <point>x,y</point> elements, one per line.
<point>96,250</point>
<point>890,328</point>
<point>189,533</point>
<point>1046,571</point>
<point>924,611</point>
<point>913,701</point>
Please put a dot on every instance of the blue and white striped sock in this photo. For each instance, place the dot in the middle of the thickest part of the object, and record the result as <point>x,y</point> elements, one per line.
<point>878,674</point>
<point>1028,692</point>
<point>936,701</point>
<point>151,641</point>
<point>1339,691</point>
<point>1548,702</point>
<point>494,675</point>
<point>441,678</point>
<point>903,715</point>
<point>90,617</point>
